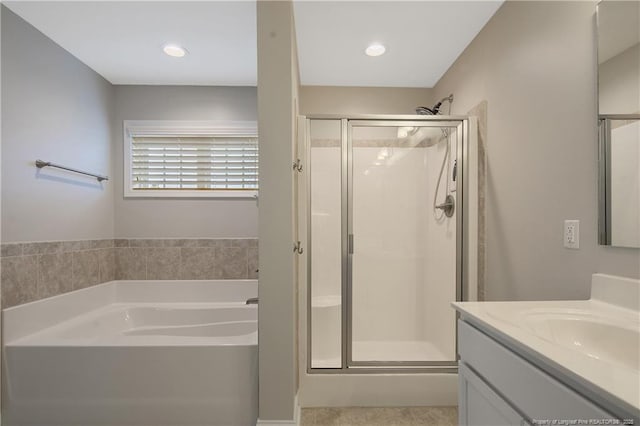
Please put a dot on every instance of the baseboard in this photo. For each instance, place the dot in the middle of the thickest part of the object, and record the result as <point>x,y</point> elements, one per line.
<point>294,422</point>
<point>296,411</point>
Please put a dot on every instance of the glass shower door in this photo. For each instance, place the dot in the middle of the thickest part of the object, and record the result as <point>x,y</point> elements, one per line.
<point>402,250</point>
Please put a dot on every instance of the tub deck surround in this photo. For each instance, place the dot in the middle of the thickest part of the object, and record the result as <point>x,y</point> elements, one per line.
<point>36,270</point>
<point>135,353</point>
<point>591,345</point>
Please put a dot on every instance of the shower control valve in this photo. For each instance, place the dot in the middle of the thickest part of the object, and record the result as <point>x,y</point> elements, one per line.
<point>448,206</point>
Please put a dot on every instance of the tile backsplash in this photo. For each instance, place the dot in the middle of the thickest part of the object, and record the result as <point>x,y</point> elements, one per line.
<point>186,259</point>
<point>33,271</point>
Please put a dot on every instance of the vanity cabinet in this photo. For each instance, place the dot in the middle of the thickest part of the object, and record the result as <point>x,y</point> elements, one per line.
<point>499,387</point>
<point>479,405</point>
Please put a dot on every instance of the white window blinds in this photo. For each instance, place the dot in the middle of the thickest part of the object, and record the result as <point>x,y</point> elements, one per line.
<point>228,163</point>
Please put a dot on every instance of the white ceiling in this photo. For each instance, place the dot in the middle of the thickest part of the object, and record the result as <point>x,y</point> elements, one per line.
<point>123,40</point>
<point>423,39</point>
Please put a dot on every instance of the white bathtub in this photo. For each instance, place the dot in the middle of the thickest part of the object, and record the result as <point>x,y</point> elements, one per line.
<point>134,353</point>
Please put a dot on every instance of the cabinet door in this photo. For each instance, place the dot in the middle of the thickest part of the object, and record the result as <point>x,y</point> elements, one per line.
<point>479,405</point>
<point>535,393</point>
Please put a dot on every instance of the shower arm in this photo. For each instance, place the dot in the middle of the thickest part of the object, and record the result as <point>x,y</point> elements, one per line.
<point>421,110</point>
<point>436,107</point>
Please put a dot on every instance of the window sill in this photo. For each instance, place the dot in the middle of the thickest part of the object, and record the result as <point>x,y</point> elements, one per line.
<point>168,193</point>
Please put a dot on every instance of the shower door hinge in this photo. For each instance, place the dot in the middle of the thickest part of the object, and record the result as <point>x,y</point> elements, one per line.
<point>297,165</point>
<point>297,248</point>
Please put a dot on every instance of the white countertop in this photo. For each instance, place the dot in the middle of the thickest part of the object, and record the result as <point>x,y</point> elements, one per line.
<point>601,372</point>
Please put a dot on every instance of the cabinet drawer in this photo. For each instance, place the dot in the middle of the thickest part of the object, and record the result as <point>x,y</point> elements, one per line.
<point>536,394</point>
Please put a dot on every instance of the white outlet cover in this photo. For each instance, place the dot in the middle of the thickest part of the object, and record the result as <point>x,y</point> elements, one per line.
<point>572,234</point>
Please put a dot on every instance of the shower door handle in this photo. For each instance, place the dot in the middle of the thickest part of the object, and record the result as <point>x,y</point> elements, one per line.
<point>350,244</point>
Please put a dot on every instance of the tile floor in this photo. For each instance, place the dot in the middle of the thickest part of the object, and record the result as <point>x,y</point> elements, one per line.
<point>396,416</point>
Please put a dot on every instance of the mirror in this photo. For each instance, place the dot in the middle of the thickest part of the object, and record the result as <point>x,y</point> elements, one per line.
<point>619,122</point>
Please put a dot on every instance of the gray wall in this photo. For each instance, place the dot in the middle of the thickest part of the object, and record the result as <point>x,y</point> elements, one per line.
<point>56,109</point>
<point>535,65</point>
<point>363,100</point>
<point>181,217</point>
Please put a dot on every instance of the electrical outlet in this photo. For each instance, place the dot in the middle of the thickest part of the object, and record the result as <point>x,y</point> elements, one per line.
<point>572,234</point>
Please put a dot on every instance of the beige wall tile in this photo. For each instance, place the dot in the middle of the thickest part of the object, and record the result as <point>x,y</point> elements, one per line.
<point>46,247</point>
<point>121,242</point>
<point>102,244</point>
<point>209,242</point>
<point>131,263</point>
<point>182,242</point>
<point>107,264</point>
<point>76,245</point>
<point>86,269</point>
<point>252,263</point>
<point>148,242</point>
<point>163,263</point>
<point>11,249</point>
<point>19,280</point>
<point>232,263</point>
<point>244,242</point>
<point>224,242</point>
<point>54,274</point>
<point>198,263</point>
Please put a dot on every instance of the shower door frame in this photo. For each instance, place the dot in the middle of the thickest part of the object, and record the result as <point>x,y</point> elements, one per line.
<point>348,366</point>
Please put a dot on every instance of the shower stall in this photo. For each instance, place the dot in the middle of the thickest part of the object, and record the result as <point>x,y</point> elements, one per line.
<point>385,212</point>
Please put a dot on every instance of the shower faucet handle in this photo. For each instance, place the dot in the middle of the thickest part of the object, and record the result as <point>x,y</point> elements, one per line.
<point>448,206</point>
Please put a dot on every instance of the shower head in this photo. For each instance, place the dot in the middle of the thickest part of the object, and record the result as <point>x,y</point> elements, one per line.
<point>421,110</point>
<point>425,111</point>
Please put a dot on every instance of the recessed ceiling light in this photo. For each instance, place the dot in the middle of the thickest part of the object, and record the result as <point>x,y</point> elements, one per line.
<point>375,49</point>
<point>174,50</point>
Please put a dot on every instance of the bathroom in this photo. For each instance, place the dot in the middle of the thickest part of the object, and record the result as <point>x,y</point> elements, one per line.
<point>91,265</point>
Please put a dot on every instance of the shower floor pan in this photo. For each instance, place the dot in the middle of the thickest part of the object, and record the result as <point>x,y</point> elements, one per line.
<point>398,351</point>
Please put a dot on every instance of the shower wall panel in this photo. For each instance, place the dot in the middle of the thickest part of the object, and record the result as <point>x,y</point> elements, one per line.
<point>326,261</point>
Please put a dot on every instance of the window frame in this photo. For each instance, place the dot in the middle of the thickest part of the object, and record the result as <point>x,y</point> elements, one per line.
<point>139,128</point>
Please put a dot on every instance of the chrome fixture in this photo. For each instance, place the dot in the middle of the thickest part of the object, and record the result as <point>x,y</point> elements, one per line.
<point>435,110</point>
<point>297,166</point>
<point>252,301</point>
<point>40,164</point>
<point>448,206</point>
<point>297,248</point>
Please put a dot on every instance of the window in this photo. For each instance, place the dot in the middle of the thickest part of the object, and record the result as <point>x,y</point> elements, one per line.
<point>190,159</point>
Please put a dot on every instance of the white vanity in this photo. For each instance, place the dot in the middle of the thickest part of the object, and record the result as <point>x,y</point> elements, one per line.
<point>556,362</point>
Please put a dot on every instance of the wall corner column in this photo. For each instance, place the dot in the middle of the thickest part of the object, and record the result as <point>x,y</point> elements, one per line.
<point>277,91</point>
